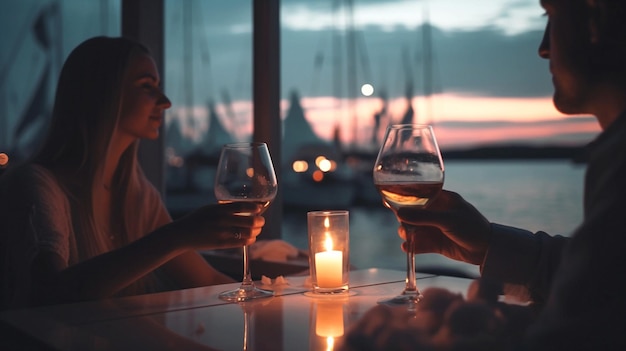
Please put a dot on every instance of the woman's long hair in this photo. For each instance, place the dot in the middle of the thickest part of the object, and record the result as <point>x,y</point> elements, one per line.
<point>85,114</point>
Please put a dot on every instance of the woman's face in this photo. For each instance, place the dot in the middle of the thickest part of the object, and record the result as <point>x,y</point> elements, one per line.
<point>143,102</point>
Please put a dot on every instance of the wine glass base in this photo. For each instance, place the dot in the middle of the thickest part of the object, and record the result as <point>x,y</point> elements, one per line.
<point>409,300</point>
<point>245,293</point>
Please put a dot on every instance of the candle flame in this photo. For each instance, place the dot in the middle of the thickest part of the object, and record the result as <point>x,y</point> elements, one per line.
<point>328,243</point>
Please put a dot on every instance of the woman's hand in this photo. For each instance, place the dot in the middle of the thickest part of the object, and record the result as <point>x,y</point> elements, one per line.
<point>219,226</point>
<point>450,226</point>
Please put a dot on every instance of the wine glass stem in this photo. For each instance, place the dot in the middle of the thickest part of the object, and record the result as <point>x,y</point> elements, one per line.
<point>411,285</point>
<point>247,277</point>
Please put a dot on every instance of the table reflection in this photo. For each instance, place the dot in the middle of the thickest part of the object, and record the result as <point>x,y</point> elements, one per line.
<point>327,322</point>
<point>196,319</point>
<point>262,329</point>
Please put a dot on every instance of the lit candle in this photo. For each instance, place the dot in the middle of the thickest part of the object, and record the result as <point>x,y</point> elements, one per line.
<point>328,264</point>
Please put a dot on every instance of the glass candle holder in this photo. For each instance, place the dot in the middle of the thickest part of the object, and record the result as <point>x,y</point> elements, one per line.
<point>329,248</point>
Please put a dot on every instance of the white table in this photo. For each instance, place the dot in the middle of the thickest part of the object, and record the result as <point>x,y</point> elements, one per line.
<point>196,319</point>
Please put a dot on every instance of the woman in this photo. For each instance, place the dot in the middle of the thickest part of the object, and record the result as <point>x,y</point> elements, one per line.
<point>81,219</point>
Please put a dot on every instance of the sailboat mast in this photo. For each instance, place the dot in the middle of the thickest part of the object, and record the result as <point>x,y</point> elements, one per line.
<point>428,65</point>
<point>7,139</point>
<point>4,103</point>
<point>351,69</point>
<point>187,58</point>
<point>104,16</point>
<point>337,58</point>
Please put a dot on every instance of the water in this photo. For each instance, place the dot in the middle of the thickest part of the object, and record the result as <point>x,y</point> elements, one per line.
<point>535,195</point>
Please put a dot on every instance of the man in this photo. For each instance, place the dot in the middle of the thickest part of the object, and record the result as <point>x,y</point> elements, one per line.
<point>577,283</point>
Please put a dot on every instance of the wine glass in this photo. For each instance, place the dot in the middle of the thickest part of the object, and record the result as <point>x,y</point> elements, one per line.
<point>245,174</point>
<point>408,172</point>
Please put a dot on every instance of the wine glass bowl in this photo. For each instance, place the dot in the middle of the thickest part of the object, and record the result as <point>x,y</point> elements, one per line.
<point>245,173</point>
<point>408,172</point>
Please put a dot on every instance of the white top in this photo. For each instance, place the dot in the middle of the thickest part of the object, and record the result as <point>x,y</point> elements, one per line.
<point>52,217</point>
<point>35,216</point>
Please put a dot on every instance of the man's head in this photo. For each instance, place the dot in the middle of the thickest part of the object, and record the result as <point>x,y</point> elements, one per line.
<point>585,41</point>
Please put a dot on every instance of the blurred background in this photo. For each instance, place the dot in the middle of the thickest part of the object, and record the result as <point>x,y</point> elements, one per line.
<point>348,69</point>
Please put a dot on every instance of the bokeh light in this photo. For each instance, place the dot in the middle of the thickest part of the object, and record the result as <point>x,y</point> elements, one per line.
<point>367,89</point>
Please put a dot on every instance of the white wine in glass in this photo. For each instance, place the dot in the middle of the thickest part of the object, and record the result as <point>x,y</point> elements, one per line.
<point>408,172</point>
<point>245,173</point>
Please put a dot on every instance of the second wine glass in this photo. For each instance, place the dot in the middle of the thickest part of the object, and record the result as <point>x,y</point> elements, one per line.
<point>408,172</point>
<point>245,173</point>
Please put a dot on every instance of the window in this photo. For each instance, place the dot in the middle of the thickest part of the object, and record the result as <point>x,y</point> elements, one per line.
<point>208,77</point>
<point>36,38</point>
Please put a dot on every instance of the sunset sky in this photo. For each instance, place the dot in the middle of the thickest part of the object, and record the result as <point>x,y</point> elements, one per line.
<point>487,82</point>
